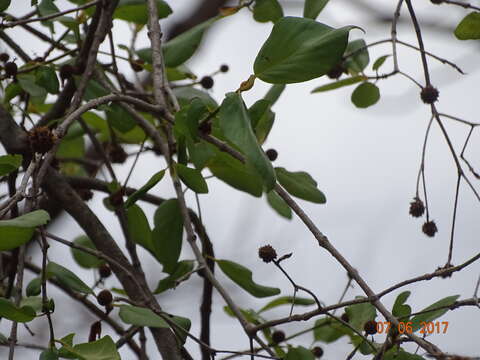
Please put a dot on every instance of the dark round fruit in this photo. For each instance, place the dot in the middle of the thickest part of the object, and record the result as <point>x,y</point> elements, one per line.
<point>116,199</point>
<point>272,154</point>
<point>429,228</point>
<point>11,69</point>
<point>4,57</point>
<point>416,207</point>
<point>104,271</point>
<point>429,94</point>
<point>370,327</point>
<point>66,71</point>
<point>336,71</point>
<point>317,351</point>
<point>207,82</point>
<point>117,155</point>
<point>278,336</point>
<point>224,68</point>
<point>345,317</point>
<point>41,139</point>
<point>267,253</point>
<point>104,297</point>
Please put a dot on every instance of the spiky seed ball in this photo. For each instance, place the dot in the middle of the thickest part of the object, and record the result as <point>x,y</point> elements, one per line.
<point>104,271</point>
<point>345,317</point>
<point>4,57</point>
<point>224,68</point>
<point>104,297</point>
<point>429,228</point>
<point>272,154</point>
<point>317,351</point>
<point>370,327</point>
<point>207,82</point>
<point>429,94</point>
<point>85,194</point>
<point>267,253</point>
<point>11,69</point>
<point>66,72</point>
<point>278,336</point>
<point>416,207</point>
<point>117,155</point>
<point>41,139</point>
<point>336,71</point>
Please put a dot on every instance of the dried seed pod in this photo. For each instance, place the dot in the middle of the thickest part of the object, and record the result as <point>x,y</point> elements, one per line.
<point>429,228</point>
<point>416,207</point>
<point>41,139</point>
<point>267,253</point>
<point>429,94</point>
<point>104,297</point>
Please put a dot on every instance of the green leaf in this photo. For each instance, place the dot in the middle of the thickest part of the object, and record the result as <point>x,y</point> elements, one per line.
<point>11,91</point>
<point>301,185</point>
<point>35,302</point>
<point>236,174</point>
<point>27,83</point>
<point>186,94</point>
<point>67,278</point>
<point>102,349</point>
<point>338,84</point>
<point>400,309</point>
<point>47,7</point>
<point>285,300</point>
<point>82,258</point>
<point>278,204</point>
<point>139,227</point>
<point>167,234</point>
<point>298,50</point>
<point>313,8</point>
<point>274,93</point>
<point>366,94</point>
<point>94,90</point>
<point>16,232</point>
<point>136,11</point>
<point>4,4</point>
<point>9,311</point>
<point>357,62</point>
<point>71,148</point>
<point>435,314</point>
<point>46,77</point>
<point>261,118</point>
<point>9,163</point>
<point>243,278</point>
<point>299,353</point>
<point>469,27</point>
<point>379,62</point>
<point>34,287</point>
<point>359,314</point>
<point>236,127</point>
<point>119,118</point>
<point>329,330</point>
<point>192,178</point>
<point>49,354</point>
<point>400,354</point>
<point>154,180</point>
<point>267,10</point>
<point>183,268</point>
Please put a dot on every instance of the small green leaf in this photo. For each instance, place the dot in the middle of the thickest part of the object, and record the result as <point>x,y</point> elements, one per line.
<point>27,83</point>
<point>183,268</point>
<point>267,10</point>
<point>338,84</point>
<point>167,234</point>
<point>301,185</point>
<point>379,62</point>
<point>262,119</point>
<point>400,354</point>
<point>49,354</point>
<point>20,314</point>
<point>67,278</point>
<point>192,178</point>
<point>299,353</point>
<point>154,180</point>
<point>359,314</point>
<point>434,314</point>
<point>47,7</point>
<point>119,118</point>
<point>469,27</point>
<point>139,227</point>
<point>400,309</point>
<point>299,49</point>
<point>186,94</point>
<point>243,278</point>
<point>102,349</point>
<point>274,93</point>
<point>9,163</point>
<point>359,59</point>
<point>329,330</point>
<point>35,302</point>
<point>313,8</point>
<point>278,204</point>
<point>4,4</point>
<point>34,287</point>
<point>286,300</point>
<point>366,94</point>
<point>136,11</point>
<point>236,126</point>
<point>16,232</point>
<point>46,77</point>
<point>139,316</point>
<point>82,258</point>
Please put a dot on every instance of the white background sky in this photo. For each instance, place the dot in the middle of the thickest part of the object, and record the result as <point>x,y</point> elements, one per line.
<point>365,161</point>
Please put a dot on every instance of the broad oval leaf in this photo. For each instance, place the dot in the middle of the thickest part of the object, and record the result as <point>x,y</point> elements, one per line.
<point>67,278</point>
<point>365,95</point>
<point>16,232</point>
<point>4,4</point>
<point>278,204</point>
<point>301,185</point>
<point>102,349</point>
<point>46,77</point>
<point>400,309</point>
<point>359,58</point>
<point>243,278</point>
<point>299,353</point>
<point>299,49</point>
<point>287,300</point>
<point>236,126</point>
<point>9,163</point>
<point>139,228</point>
<point>8,310</point>
<point>267,10</point>
<point>339,84</point>
<point>82,258</point>
<point>167,234</point>
<point>154,180</point>
<point>469,27</point>
<point>359,314</point>
<point>192,178</point>
<point>313,8</point>
<point>262,119</point>
<point>433,314</point>
<point>34,287</point>
<point>183,268</point>
<point>136,11</point>
<point>329,330</point>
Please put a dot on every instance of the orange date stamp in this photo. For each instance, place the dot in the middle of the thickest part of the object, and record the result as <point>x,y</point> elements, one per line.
<point>426,327</point>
